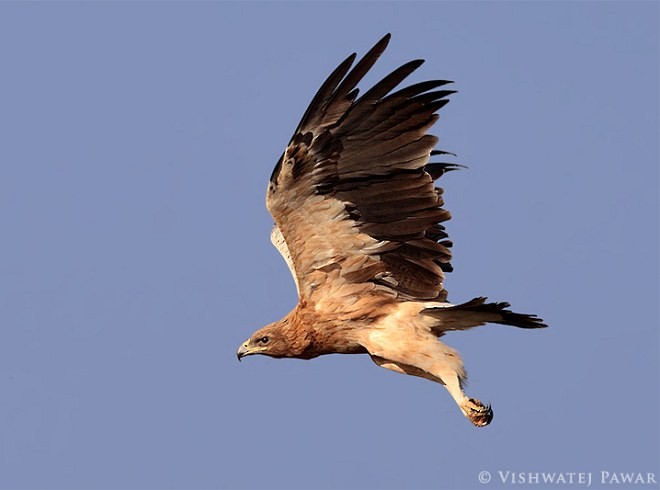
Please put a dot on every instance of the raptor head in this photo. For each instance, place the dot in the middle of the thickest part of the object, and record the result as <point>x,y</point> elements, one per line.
<point>268,341</point>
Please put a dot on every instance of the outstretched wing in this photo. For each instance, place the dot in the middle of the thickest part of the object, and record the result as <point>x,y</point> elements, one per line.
<point>353,197</point>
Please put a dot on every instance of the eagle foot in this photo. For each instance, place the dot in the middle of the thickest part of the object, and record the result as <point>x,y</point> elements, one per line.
<point>478,413</point>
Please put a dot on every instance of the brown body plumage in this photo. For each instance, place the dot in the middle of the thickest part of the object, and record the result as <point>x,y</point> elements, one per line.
<point>357,218</point>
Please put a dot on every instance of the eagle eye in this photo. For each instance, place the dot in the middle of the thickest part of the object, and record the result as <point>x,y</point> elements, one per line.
<point>263,340</point>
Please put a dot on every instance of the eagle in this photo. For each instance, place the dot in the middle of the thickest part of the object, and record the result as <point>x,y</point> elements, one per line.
<point>358,220</point>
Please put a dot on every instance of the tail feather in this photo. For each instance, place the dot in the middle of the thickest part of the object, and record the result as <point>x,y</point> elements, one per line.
<point>477,312</point>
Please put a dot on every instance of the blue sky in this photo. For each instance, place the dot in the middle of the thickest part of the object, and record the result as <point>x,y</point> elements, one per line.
<point>137,140</point>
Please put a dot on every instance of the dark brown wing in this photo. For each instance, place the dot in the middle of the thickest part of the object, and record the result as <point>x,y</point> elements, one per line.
<point>353,195</point>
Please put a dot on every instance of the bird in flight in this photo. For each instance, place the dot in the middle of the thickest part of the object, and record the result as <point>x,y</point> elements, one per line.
<point>358,221</point>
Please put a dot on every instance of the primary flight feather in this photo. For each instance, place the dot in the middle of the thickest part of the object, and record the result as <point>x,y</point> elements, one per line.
<point>358,221</point>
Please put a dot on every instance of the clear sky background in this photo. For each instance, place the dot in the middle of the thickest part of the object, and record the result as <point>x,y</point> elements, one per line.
<point>136,140</point>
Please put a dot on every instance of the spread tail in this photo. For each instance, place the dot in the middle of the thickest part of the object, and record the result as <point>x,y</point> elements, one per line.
<point>477,312</point>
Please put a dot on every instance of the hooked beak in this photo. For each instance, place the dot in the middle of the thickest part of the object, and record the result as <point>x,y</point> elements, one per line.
<point>243,350</point>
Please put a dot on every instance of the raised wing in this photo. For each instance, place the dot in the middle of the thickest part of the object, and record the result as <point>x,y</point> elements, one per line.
<point>353,196</point>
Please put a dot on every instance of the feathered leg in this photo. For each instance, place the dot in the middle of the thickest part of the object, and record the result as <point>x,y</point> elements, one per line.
<point>430,359</point>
